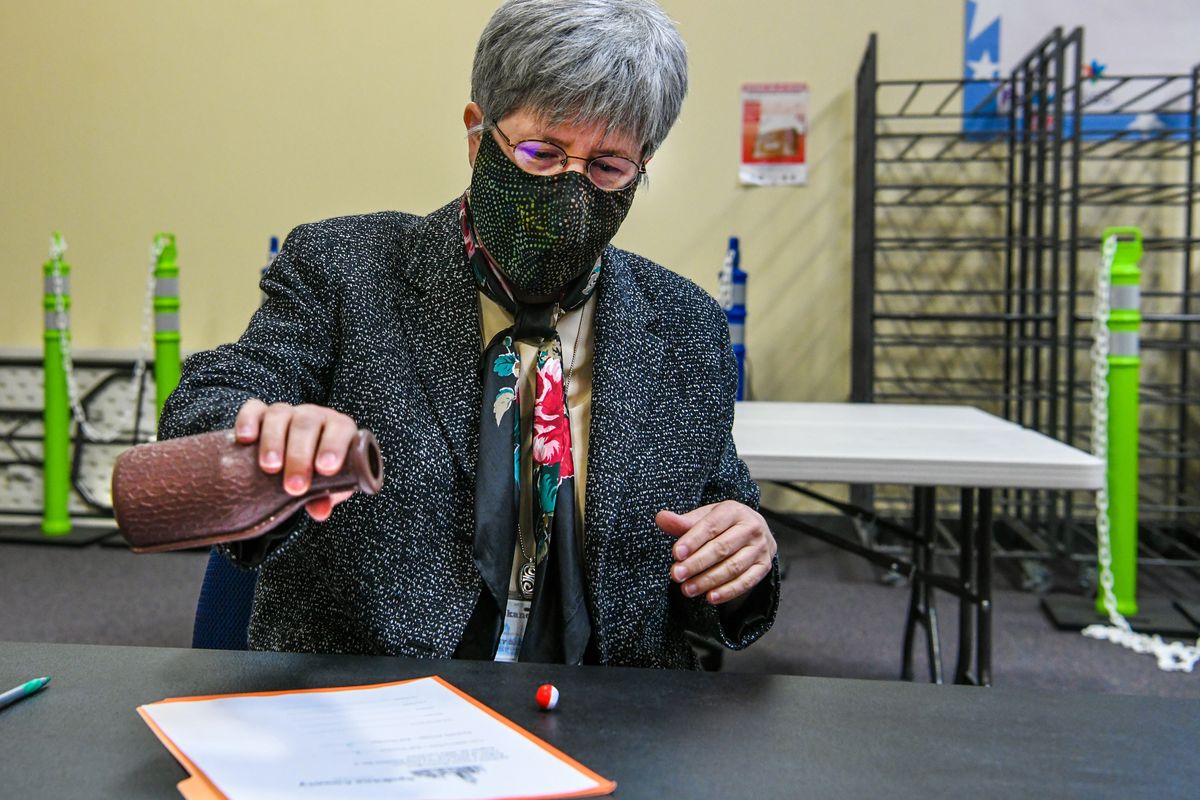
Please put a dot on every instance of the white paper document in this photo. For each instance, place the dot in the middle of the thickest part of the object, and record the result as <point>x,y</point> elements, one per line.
<point>414,739</point>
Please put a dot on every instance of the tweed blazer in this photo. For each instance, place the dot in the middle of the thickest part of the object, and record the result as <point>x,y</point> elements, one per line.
<point>377,316</point>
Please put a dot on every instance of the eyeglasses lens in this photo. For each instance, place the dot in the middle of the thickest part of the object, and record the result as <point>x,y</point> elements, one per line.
<point>612,172</point>
<point>540,158</point>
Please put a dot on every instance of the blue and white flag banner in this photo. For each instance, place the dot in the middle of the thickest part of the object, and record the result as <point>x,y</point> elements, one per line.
<point>1121,38</point>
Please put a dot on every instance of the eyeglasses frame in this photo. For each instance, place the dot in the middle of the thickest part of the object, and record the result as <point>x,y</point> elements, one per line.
<point>641,168</point>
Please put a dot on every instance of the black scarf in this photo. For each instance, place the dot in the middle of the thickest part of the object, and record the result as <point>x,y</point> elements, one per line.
<point>558,629</point>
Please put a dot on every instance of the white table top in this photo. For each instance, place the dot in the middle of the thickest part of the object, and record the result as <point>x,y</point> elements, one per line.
<point>913,445</point>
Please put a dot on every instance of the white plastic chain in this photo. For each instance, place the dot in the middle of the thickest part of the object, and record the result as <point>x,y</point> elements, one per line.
<point>1172,656</point>
<point>89,429</point>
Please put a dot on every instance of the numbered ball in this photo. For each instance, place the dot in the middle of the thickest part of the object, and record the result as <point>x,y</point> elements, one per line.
<point>547,697</point>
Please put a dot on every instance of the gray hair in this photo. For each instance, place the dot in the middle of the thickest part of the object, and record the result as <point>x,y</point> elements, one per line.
<point>621,63</point>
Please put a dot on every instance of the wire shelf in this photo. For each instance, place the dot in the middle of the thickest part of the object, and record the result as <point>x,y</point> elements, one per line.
<point>978,212</point>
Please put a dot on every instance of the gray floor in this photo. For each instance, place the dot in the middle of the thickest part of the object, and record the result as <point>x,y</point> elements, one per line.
<point>835,619</point>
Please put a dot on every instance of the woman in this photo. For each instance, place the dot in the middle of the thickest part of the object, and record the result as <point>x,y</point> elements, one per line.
<point>506,357</point>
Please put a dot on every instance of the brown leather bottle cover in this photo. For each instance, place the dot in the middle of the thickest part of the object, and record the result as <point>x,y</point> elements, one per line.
<point>206,489</point>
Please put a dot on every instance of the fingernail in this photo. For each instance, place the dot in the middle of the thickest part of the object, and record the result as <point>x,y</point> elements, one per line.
<point>295,484</point>
<point>715,597</point>
<point>327,461</point>
<point>242,433</point>
<point>680,572</point>
<point>271,459</point>
<point>681,552</point>
<point>689,589</point>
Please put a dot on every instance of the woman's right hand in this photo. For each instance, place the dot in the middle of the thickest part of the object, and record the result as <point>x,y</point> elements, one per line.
<point>296,440</point>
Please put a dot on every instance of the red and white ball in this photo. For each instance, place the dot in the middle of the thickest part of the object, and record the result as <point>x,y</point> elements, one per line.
<point>547,697</point>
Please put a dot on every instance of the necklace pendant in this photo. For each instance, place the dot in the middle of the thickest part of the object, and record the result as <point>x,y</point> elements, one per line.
<point>526,579</point>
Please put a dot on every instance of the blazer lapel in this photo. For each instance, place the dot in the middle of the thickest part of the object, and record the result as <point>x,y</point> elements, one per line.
<point>628,354</point>
<point>439,314</point>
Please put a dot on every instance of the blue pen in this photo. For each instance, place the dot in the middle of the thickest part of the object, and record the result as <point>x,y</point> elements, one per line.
<point>24,690</point>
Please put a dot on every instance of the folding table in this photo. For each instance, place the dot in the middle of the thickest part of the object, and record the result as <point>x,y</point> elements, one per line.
<point>925,447</point>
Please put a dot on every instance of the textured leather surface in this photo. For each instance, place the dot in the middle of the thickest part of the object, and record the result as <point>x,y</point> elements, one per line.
<point>208,488</point>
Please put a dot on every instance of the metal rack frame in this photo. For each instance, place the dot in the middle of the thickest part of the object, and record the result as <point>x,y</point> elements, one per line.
<point>976,236</point>
<point>105,380</point>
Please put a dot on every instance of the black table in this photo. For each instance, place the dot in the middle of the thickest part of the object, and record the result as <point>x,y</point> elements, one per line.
<point>659,734</point>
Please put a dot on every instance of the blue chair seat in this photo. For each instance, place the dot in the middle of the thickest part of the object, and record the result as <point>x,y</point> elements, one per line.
<point>223,611</point>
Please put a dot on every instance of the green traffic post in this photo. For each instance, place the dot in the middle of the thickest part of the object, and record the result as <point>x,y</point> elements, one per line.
<point>1124,365</point>
<point>56,414</point>
<point>167,361</point>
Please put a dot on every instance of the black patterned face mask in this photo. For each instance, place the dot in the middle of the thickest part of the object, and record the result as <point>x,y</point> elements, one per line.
<point>543,231</point>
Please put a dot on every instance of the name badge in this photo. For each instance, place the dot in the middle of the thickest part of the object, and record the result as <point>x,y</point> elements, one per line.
<point>515,617</point>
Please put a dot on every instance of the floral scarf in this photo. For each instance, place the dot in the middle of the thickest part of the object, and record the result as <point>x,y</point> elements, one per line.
<point>551,573</point>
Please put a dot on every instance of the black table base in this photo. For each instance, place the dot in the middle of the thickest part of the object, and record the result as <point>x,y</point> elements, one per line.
<point>31,533</point>
<point>1072,613</point>
<point>972,585</point>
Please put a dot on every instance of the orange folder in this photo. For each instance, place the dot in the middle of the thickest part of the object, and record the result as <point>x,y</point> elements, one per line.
<point>198,786</point>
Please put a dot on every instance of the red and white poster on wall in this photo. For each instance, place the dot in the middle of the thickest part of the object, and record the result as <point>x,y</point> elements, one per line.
<point>774,128</point>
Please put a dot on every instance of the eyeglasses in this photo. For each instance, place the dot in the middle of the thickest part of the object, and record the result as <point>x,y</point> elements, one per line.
<point>610,173</point>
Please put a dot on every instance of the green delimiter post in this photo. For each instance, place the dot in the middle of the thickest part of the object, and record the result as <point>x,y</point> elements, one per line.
<point>166,320</point>
<point>1124,363</point>
<point>56,414</point>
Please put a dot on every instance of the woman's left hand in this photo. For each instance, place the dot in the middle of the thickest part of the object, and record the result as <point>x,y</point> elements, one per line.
<point>724,549</point>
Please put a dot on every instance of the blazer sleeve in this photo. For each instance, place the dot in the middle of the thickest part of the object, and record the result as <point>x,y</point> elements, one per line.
<point>740,622</point>
<point>284,356</point>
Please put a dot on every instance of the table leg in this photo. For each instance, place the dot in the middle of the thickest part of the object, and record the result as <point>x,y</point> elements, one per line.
<point>933,640</point>
<point>914,593</point>
<point>967,578</point>
<point>922,607</point>
<point>984,561</point>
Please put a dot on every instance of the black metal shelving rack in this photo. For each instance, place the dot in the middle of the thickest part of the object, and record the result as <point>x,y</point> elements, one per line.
<point>111,400</point>
<point>976,237</point>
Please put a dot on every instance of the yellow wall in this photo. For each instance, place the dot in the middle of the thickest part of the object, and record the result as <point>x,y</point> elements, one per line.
<point>228,120</point>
